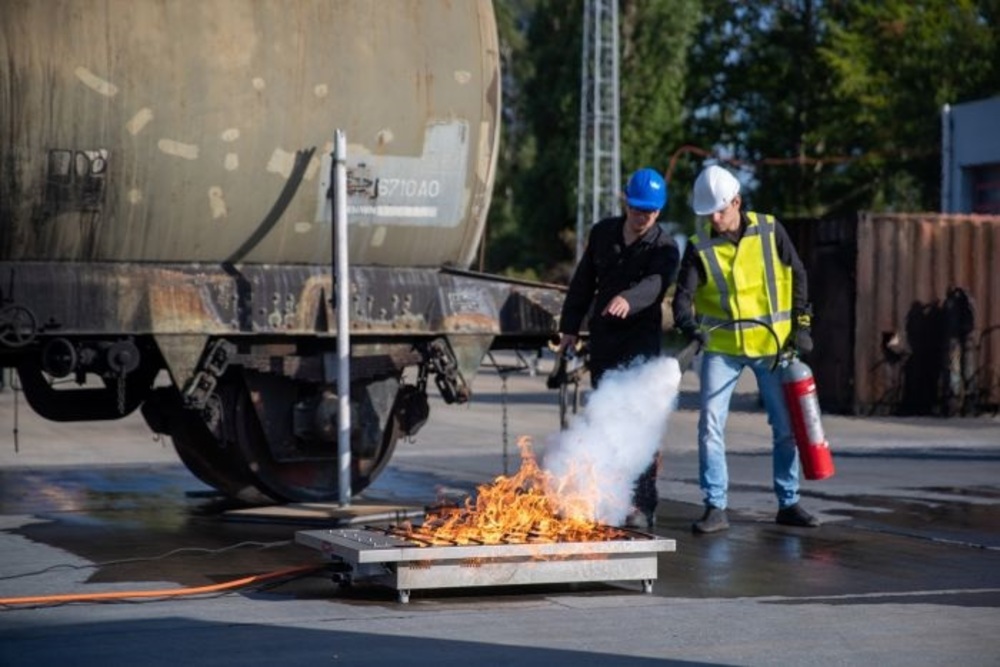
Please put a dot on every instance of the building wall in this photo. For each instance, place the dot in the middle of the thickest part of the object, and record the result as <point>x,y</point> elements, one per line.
<point>970,155</point>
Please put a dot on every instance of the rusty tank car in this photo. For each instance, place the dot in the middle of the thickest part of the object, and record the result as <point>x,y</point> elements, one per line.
<point>166,236</point>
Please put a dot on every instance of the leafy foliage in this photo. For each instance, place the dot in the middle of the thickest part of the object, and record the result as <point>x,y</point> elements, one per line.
<point>533,216</point>
<point>894,65</point>
<point>824,106</point>
<point>835,106</point>
<point>656,37</point>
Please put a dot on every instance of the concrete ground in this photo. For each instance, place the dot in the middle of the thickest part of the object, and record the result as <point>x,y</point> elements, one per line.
<point>904,571</point>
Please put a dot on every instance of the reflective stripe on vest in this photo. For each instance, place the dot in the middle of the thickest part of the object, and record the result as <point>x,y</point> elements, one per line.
<point>746,281</point>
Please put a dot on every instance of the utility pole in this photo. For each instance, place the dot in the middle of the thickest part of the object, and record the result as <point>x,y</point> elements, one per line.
<point>599,176</point>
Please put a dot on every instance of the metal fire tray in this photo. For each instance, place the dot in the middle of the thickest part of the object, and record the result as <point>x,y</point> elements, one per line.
<point>375,555</point>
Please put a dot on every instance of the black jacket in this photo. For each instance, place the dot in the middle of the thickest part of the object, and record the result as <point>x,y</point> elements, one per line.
<point>640,273</point>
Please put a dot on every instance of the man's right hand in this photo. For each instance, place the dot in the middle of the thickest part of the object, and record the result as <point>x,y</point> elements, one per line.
<point>693,333</point>
<point>566,341</point>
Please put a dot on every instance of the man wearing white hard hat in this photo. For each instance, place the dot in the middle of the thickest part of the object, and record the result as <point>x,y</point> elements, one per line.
<point>741,266</point>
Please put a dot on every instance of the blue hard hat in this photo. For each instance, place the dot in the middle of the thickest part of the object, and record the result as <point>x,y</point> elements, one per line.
<point>646,190</point>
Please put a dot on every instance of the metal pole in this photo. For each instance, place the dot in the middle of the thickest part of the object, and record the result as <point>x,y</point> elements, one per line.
<point>947,206</point>
<point>343,326</point>
<point>595,92</point>
<point>584,147</point>
<point>614,187</point>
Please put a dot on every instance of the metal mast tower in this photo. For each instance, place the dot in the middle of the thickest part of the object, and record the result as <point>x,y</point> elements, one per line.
<point>599,177</point>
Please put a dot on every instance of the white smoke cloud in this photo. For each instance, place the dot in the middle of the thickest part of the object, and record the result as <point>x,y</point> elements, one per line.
<point>595,462</point>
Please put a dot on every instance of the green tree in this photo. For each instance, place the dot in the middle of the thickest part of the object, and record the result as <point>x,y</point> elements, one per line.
<point>760,96</point>
<point>825,106</point>
<point>501,238</point>
<point>540,58</point>
<point>895,64</point>
<point>655,39</point>
<point>835,106</point>
<point>533,216</point>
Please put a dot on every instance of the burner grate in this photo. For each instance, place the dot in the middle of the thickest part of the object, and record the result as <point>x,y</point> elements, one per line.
<point>404,559</point>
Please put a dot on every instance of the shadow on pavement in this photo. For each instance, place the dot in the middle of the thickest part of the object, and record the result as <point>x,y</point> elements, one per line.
<point>154,642</point>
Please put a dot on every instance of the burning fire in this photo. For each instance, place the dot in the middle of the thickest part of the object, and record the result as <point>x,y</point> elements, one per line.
<point>528,507</point>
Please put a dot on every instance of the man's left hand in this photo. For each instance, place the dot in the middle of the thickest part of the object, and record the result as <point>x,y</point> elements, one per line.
<point>803,341</point>
<point>617,307</point>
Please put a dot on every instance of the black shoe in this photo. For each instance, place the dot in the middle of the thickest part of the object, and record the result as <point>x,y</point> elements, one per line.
<point>796,516</point>
<point>713,521</point>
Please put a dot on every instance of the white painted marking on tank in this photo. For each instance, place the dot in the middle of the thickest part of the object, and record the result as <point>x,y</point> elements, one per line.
<point>378,238</point>
<point>258,83</point>
<point>231,134</point>
<point>95,82</point>
<point>178,149</point>
<point>134,196</point>
<point>484,163</point>
<point>313,168</point>
<point>321,90</point>
<point>389,211</point>
<point>384,136</point>
<point>425,190</point>
<point>232,162</point>
<point>303,227</point>
<point>217,202</point>
<point>463,76</point>
<point>281,162</point>
<point>139,121</point>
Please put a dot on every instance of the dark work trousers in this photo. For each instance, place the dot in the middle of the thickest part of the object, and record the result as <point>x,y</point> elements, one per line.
<point>644,493</point>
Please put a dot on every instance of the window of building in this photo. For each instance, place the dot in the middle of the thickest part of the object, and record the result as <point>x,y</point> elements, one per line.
<point>985,180</point>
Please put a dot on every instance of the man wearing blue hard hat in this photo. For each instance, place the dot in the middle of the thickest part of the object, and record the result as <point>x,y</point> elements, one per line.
<point>620,281</point>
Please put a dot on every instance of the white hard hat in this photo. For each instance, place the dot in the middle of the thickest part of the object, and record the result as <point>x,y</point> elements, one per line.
<point>714,189</point>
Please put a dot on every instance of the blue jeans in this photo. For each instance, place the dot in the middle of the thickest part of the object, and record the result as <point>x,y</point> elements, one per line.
<point>719,374</point>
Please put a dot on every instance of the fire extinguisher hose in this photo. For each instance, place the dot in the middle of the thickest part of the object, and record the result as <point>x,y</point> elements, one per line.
<point>750,320</point>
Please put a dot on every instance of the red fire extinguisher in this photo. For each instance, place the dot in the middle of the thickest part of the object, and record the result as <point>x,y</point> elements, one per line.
<point>803,408</point>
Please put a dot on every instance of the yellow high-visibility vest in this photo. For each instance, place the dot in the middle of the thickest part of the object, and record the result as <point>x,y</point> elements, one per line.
<point>746,281</point>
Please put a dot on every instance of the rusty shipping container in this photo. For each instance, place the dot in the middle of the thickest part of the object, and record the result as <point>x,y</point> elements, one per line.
<point>907,312</point>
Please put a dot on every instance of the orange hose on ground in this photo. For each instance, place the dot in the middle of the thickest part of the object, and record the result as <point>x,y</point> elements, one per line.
<point>170,592</point>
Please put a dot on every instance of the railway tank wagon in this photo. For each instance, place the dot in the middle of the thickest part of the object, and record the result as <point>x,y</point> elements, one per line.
<point>165,212</point>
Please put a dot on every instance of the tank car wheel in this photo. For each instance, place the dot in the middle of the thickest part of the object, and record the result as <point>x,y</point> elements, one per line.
<point>202,458</point>
<point>202,449</point>
<point>304,480</point>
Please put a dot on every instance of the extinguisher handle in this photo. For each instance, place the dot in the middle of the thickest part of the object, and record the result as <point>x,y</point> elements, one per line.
<point>685,356</point>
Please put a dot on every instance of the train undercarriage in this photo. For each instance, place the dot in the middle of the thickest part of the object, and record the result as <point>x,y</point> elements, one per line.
<point>238,366</point>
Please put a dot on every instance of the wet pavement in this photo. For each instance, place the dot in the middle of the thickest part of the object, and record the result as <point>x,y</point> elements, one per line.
<point>904,571</point>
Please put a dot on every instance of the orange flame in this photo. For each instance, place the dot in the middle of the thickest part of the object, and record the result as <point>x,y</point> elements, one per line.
<point>512,510</point>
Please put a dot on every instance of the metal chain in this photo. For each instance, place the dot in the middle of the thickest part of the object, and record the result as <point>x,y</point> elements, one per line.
<point>121,392</point>
<point>17,392</point>
<point>503,406</point>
